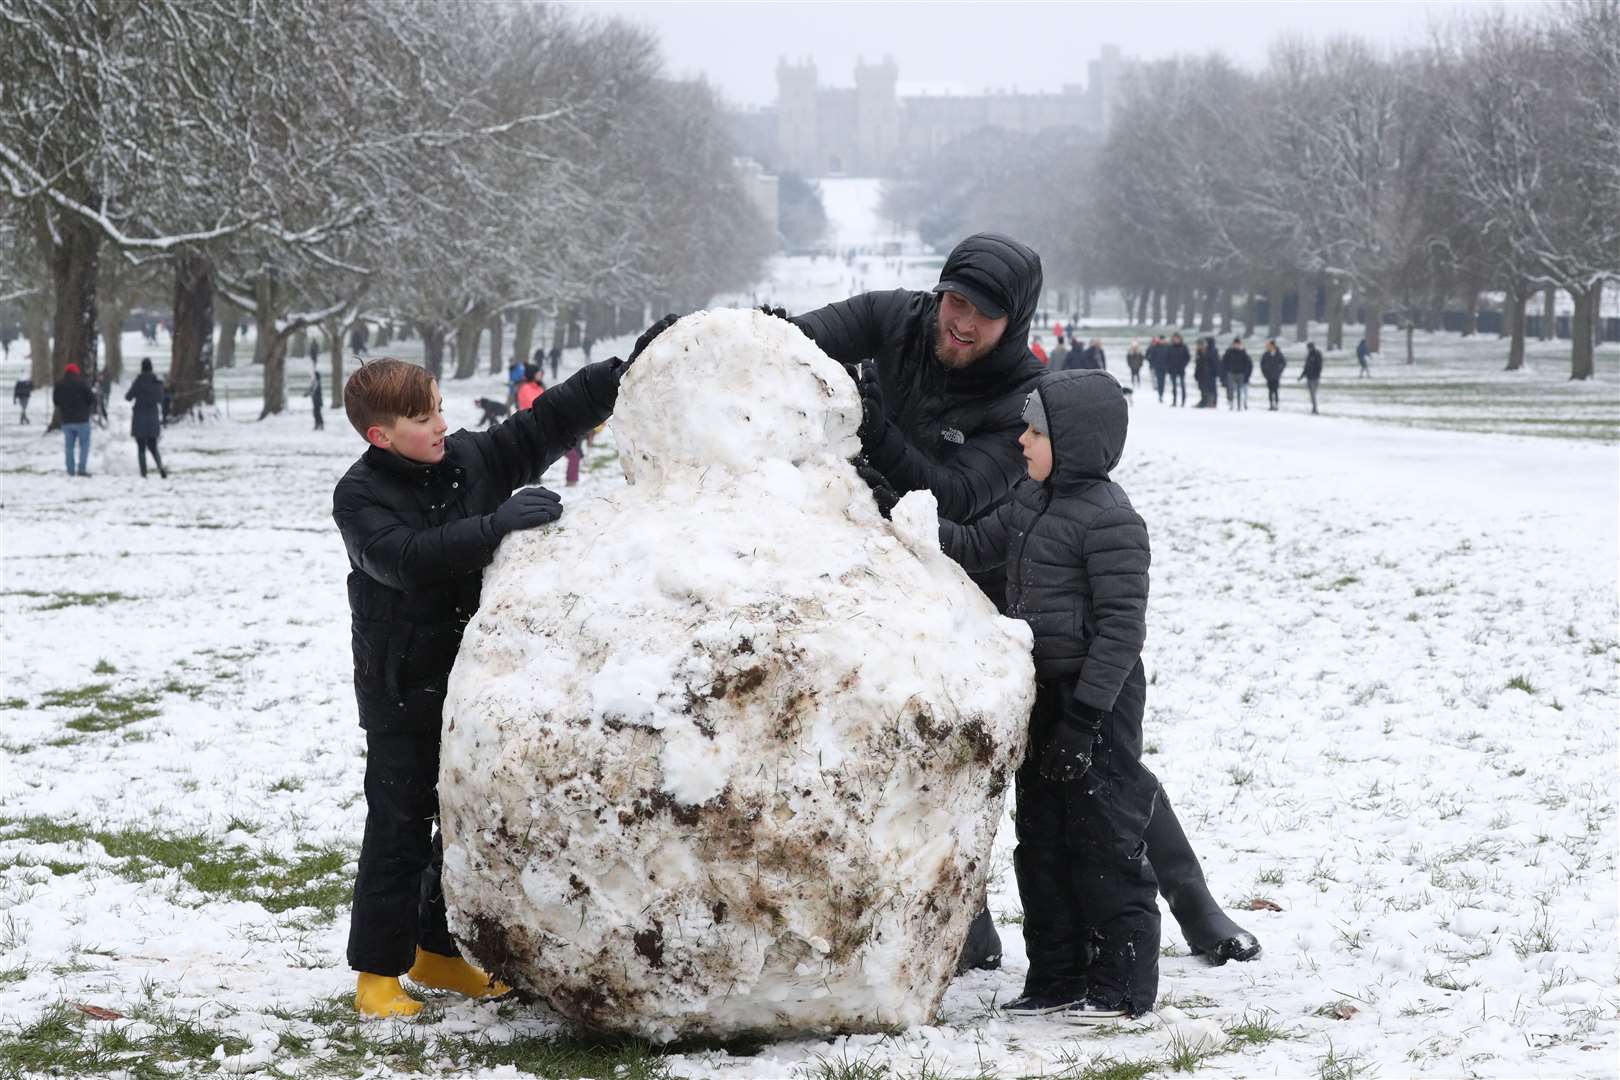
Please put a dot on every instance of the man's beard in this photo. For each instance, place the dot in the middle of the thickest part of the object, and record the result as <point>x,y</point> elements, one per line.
<point>955,360</point>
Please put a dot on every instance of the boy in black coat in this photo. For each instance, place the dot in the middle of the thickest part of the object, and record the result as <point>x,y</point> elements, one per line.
<point>1076,558</point>
<point>421,515</point>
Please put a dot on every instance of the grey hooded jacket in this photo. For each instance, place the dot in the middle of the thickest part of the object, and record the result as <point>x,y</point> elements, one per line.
<point>1076,553</point>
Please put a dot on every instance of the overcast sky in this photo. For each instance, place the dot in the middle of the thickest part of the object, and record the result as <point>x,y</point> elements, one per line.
<point>994,45</point>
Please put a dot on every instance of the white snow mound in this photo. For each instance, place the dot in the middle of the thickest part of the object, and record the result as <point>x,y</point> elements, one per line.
<point>722,753</point>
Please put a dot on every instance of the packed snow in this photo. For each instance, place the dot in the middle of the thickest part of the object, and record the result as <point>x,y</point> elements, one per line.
<point>722,754</point>
<point>1382,664</point>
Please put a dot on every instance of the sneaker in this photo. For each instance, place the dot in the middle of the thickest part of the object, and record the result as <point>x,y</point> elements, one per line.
<point>1041,1005</point>
<point>1091,1012</point>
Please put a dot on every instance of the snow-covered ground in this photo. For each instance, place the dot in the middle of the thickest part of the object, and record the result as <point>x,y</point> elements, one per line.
<point>1383,697</point>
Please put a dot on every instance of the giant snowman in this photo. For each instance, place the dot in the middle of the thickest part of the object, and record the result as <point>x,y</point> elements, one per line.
<point>724,751</point>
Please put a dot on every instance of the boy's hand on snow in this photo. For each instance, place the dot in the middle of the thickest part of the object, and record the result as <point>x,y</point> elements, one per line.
<point>647,337</point>
<point>1069,753</point>
<point>528,508</point>
<point>775,312</point>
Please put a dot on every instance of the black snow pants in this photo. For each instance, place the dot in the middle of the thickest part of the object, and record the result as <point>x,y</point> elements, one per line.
<point>398,900</point>
<point>1091,913</point>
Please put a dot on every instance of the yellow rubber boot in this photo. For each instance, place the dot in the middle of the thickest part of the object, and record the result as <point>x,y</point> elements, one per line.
<point>382,996</point>
<point>453,973</point>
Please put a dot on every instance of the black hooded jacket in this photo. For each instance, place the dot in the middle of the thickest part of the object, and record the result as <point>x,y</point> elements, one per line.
<point>1176,358</point>
<point>1272,364</point>
<point>951,431</point>
<point>419,537</point>
<point>1076,553</point>
<point>1313,365</point>
<point>1236,365</point>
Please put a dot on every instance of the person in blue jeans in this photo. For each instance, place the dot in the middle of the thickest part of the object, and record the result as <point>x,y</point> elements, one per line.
<point>75,402</point>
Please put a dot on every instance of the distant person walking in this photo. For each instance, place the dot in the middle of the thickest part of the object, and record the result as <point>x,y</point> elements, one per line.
<point>1095,359</point>
<point>1176,359</point>
<point>1206,368</point>
<point>20,393</point>
<point>317,397</point>
<point>75,402</point>
<point>314,349</point>
<point>1272,363</point>
<point>359,337</point>
<point>1061,354</point>
<point>1363,354</point>
<point>1040,352</point>
<point>1133,360</point>
<point>1313,372</point>
<point>145,421</point>
<point>1238,367</point>
<point>556,361</point>
<point>1155,362</point>
<point>530,389</point>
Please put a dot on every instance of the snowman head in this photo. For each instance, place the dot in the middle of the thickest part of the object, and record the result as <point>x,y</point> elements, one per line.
<point>732,388</point>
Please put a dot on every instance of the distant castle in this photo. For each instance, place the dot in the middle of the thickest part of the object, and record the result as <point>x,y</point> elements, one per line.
<point>871,130</point>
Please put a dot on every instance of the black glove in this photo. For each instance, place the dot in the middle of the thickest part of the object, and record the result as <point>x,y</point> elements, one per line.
<point>884,495</point>
<point>528,508</point>
<point>872,421</point>
<point>1068,755</point>
<point>647,336</point>
<point>775,312</point>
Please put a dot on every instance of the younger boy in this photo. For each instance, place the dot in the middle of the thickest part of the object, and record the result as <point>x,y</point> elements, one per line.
<point>1076,558</point>
<point>421,515</point>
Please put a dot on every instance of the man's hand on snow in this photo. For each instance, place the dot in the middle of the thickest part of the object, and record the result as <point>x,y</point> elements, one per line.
<point>528,508</point>
<point>884,495</point>
<point>872,421</point>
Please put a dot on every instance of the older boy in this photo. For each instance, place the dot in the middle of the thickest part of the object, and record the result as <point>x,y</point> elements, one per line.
<point>1076,557</point>
<point>421,515</point>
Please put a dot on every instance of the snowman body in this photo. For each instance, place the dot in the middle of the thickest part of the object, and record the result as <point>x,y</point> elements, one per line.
<point>724,751</point>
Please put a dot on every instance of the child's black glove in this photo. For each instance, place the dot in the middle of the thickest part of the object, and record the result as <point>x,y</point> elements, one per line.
<point>884,495</point>
<point>1068,755</point>
<point>775,312</point>
<point>648,334</point>
<point>528,508</point>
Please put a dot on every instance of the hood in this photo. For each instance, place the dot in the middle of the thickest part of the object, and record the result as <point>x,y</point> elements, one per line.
<point>1087,416</point>
<point>1005,273</point>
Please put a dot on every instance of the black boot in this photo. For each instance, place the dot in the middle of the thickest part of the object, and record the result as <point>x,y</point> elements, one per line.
<point>982,949</point>
<point>1209,931</point>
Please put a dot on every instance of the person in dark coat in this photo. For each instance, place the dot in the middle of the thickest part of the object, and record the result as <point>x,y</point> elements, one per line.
<point>1312,373</point>
<point>145,421</point>
<point>316,397</point>
<point>421,515</point>
<point>556,360</point>
<point>1094,358</point>
<point>1272,363</point>
<point>1076,556</point>
<point>1061,352</point>
<point>1205,364</point>
<point>1363,355</point>
<point>1176,359</point>
<point>359,337</point>
<point>946,418</point>
<point>21,391</point>
<point>1237,367</point>
<point>314,349</point>
<point>1155,361</point>
<point>1133,360</point>
<point>75,404</point>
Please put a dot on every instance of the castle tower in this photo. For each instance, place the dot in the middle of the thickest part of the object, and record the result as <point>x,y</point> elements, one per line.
<point>877,117</point>
<point>797,145</point>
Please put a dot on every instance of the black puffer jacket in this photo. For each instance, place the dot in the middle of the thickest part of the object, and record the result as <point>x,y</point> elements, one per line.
<point>419,537</point>
<point>1176,357</point>
<point>145,420</point>
<point>1313,365</point>
<point>73,398</point>
<point>954,432</point>
<point>1076,553</point>
<point>1236,365</point>
<point>1272,364</point>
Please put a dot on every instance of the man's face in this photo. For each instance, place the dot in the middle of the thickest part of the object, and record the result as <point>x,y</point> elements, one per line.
<point>415,438</point>
<point>1037,454</point>
<point>964,334</point>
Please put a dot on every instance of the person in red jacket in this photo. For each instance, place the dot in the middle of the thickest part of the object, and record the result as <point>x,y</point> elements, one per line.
<point>1039,351</point>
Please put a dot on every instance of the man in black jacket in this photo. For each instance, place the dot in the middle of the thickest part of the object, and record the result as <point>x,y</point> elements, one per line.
<point>944,413</point>
<point>1313,372</point>
<point>421,515</point>
<point>1175,366</point>
<point>75,403</point>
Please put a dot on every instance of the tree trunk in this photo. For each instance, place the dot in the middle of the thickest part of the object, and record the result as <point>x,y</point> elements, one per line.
<point>1206,321</point>
<point>497,335</point>
<point>1518,297</point>
<point>1597,314</point>
<point>1335,315</point>
<point>1085,302</point>
<point>1373,328</point>
<point>1189,305</point>
<point>1143,298</point>
<point>1250,314</point>
<point>1549,314</point>
<point>299,346</point>
<point>36,321</point>
<point>1580,332</point>
<point>1470,313</point>
<point>1226,310</point>
<point>271,347</point>
<point>1172,297</point>
<point>523,335</point>
<point>191,346</point>
<point>1304,301</point>
<point>1411,357</point>
<point>433,335</point>
<point>469,329</point>
<point>73,264</point>
<point>1158,307</point>
<point>230,320</point>
<point>275,375</point>
<point>112,335</point>
<point>1274,305</point>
